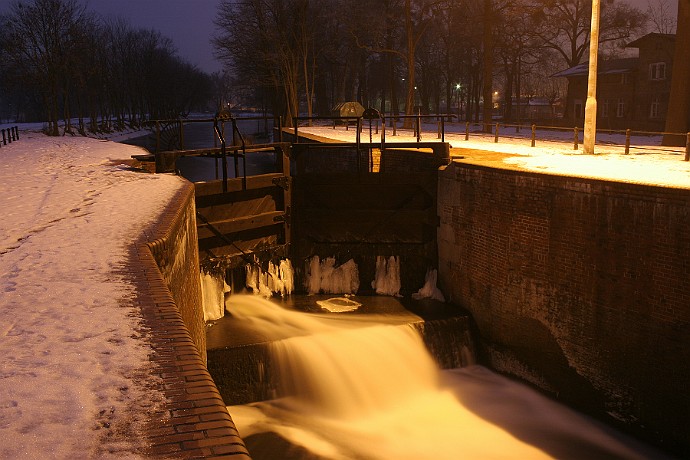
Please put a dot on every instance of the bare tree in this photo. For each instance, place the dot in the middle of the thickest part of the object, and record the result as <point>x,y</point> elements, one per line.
<point>563,25</point>
<point>41,41</point>
<point>660,15</point>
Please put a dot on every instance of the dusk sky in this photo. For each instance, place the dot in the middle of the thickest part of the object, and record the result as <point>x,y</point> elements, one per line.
<point>189,23</point>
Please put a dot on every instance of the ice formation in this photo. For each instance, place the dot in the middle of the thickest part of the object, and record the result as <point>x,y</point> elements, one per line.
<point>387,279</point>
<point>324,276</point>
<point>213,289</point>
<point>429,290</point>
<point>277,279</point>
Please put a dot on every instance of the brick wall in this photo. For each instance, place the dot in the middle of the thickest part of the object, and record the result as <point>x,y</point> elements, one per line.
<point>578,286</point>
<point>192,421</point>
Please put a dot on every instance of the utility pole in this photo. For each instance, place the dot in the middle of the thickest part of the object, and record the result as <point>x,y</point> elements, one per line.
<point>590,133</point>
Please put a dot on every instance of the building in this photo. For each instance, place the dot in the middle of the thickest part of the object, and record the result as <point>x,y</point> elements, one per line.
<point>631,92</point>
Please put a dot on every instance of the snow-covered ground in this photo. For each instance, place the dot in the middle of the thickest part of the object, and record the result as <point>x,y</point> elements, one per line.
<point>648,162</point>
<point>71,359</point>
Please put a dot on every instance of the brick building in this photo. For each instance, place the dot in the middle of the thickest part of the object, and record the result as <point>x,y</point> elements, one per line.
<point>631,92</point>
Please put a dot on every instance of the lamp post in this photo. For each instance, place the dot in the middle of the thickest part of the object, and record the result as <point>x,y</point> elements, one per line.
<point>591,104</point>
<point>458,87</point>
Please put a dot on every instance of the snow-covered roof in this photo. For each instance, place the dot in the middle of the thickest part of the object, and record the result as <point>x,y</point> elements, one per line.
<point>612,66</point>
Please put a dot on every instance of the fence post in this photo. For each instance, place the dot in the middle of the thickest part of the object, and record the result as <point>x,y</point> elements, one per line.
<point>534,134</point>
<point>4,140</point>
<point>395,124</point>
<point>438,130</point>
<point>575,139</point>
<point>16,130</point>
<point>496,135</point>
<point>627,141</point>
<point>467,130</point>
<point>158,136</point>
<point>687,147</point>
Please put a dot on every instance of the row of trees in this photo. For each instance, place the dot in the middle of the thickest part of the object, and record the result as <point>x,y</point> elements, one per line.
<point>62,62</point>
<point>433,55</point>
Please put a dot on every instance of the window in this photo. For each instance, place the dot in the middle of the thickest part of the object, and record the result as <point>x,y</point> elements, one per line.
<point>657,71</point>
<point>605,109</point>
<point>625,78</point>
<point>620,108</point>
<point>654,108</point>
<point>578,111</point>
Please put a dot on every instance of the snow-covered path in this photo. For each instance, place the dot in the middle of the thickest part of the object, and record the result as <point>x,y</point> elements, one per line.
<point>647,162</point>
<point>69,353</point>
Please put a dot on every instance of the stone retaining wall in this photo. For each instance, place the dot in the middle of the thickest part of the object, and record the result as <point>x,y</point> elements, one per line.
<point>579,286</point>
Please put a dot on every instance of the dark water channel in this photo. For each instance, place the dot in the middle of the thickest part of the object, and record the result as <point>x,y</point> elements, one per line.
<point>201,135</point>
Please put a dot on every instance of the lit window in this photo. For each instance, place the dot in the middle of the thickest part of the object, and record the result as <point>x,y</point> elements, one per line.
<point>620,108</point>
<point>657,71</point>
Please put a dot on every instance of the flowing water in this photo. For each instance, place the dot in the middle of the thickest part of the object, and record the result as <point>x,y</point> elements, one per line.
<point>351,388</point>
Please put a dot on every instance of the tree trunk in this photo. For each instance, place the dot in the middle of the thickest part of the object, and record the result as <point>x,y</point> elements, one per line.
<point>487,89</point>
<point>678,114</point>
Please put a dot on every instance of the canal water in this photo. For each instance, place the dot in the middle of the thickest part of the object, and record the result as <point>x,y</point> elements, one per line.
<point>201,135</point>
<point>352,392</point>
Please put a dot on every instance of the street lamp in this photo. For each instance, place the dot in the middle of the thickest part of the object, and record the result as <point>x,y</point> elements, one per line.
<point>457,88</point>
<point>591,104</point>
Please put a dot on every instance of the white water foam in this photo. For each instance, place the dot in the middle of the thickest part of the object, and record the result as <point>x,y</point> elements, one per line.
<point>375,393</point>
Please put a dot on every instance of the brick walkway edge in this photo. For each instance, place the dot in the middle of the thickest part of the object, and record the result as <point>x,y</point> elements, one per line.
<point>193,422</point>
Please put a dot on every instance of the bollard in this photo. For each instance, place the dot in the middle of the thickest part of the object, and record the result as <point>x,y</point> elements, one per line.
<point>4,140</point>
<point>377,127</point>
<point>575,139</point>
<point>687,147</point>
<point>496,135</point>
<point>16,128</point>
<point>395,126</point>
<point>438,130</point>
<point>627,141</point>
<point>467,131</point>
<point>333,124</point>
<point>534,135</point>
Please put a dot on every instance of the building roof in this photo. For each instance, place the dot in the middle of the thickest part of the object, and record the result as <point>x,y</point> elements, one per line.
<point>651,36</point>
<point>613,66</point>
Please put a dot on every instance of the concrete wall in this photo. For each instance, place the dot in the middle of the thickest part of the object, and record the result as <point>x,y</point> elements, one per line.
<point>578,286</point>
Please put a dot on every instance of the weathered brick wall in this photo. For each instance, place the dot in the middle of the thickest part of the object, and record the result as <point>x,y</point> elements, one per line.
<point>177,255</point>
<point>579,286</point>
<point>192,421</point>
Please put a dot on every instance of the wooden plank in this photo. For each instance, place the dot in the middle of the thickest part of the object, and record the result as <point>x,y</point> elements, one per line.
<point>235,185</point>
<point>238,224</point>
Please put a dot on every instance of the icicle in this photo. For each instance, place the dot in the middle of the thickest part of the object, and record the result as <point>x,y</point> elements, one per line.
<point>429,290</point>
<point>213,295</point>
<point>387,277</point>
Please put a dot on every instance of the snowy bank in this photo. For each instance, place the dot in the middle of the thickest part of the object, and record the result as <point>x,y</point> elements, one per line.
<point>73,361</point>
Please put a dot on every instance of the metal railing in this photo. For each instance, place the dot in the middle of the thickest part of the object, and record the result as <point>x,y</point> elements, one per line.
<point>9,135</point>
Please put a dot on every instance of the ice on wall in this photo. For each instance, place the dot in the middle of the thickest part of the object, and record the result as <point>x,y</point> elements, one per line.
<point>213,289</point>
<point>277,279</point>
<point>387,278</point>
<point>325,277</point>
<point>429,290</point>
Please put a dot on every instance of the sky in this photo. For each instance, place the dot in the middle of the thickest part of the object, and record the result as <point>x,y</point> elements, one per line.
<point>189,23</point>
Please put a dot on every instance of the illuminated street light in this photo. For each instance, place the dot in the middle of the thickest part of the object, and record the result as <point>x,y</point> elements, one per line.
<point>591,104</point>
